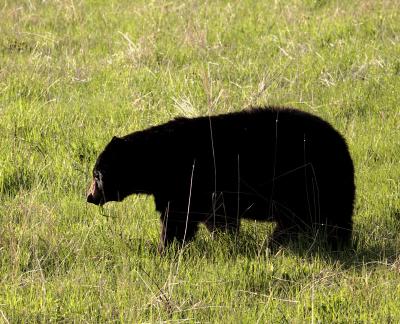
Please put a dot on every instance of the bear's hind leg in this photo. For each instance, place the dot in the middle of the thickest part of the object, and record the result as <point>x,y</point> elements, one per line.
<point>339,234</point>
<point>293,222</point>
<point>284,233</point>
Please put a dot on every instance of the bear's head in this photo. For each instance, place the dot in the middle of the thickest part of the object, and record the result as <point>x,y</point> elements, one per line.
<point>108,174</point>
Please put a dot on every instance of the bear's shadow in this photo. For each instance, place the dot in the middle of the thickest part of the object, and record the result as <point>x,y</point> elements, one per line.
<point>254,242</point>
<point>248,246</point>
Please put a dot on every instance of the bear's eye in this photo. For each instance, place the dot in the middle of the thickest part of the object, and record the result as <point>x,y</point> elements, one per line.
<point>97,176</point>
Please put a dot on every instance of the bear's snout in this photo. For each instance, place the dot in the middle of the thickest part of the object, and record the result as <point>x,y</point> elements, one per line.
<point>89,198</point>
<point>93,194</point>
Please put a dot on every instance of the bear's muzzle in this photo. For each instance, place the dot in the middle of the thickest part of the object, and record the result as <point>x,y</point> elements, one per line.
<point>94,195</point>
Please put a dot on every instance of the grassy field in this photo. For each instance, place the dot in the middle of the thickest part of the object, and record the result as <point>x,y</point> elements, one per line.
<point>73,73</point>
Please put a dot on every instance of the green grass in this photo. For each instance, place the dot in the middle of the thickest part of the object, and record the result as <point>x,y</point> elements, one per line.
<point>75,73</point>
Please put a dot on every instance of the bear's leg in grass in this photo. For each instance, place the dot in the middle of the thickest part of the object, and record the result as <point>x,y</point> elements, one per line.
<point>288,224</point>
<point>339,227</point>
<point>335,228</point>
<point>224,216</point>
<point>178,228</point>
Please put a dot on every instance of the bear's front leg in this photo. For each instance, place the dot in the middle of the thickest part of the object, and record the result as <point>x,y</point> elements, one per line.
<point>173,228</point>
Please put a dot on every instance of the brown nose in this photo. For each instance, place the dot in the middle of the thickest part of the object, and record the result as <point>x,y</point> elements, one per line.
<point>91,194</point>
<point>90,198</point>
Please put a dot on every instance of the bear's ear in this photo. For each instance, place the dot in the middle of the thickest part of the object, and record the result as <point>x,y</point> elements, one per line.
<point>116,139</point>
<point>116,142</point>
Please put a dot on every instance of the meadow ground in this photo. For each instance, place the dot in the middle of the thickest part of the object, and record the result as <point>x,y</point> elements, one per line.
<point>73,73</point>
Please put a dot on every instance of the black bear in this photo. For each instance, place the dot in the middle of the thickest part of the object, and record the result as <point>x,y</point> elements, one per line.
<point>268,164</point>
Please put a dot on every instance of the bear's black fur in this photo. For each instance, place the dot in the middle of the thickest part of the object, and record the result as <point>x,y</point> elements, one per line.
<point>268,164</point>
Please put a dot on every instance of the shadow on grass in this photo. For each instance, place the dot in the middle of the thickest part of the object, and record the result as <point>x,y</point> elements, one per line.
<point>246,245</point>
<point>253,242</point>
